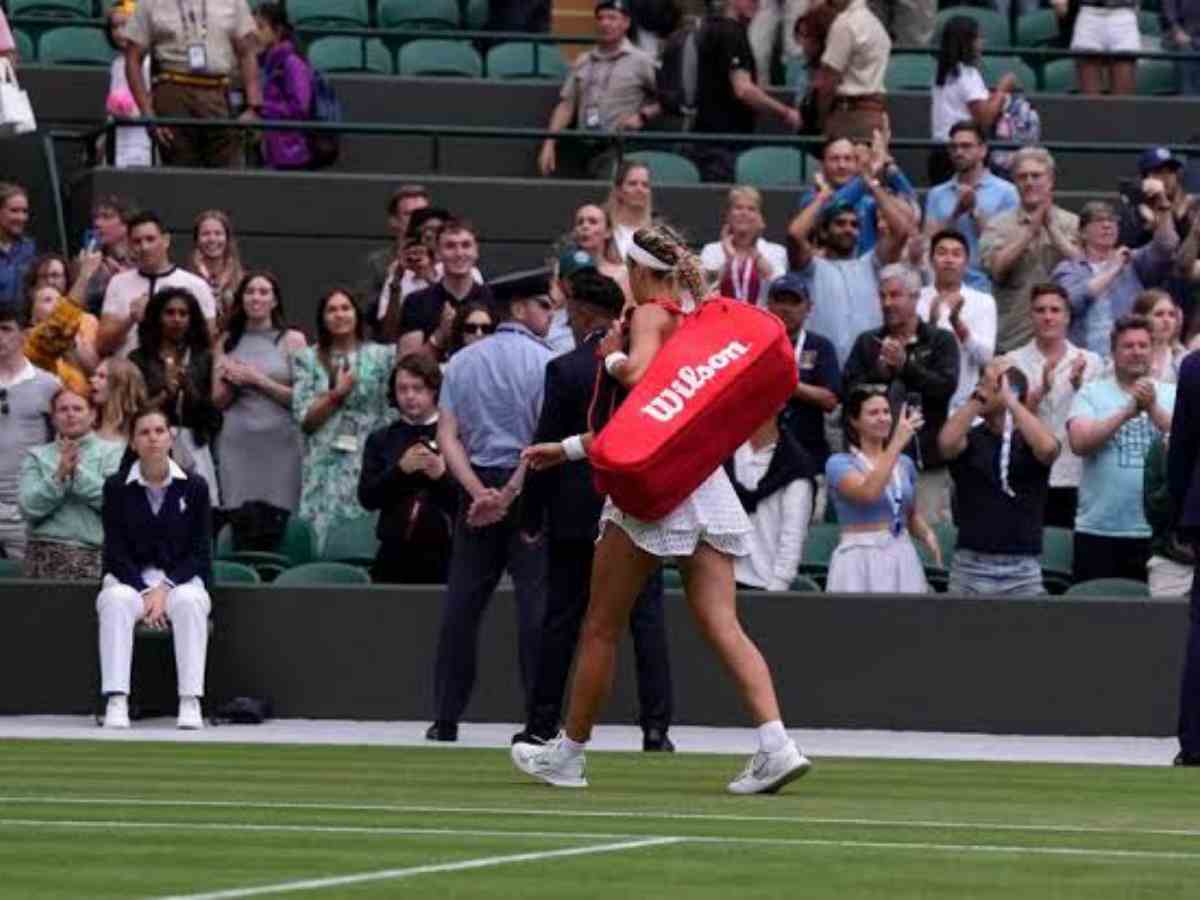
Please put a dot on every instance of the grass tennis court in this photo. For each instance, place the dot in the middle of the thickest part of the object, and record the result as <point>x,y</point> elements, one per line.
<point>104,819</point>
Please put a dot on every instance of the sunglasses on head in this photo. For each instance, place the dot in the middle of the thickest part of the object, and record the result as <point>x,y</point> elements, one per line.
<point>478,328</point>
<point>870,390</point>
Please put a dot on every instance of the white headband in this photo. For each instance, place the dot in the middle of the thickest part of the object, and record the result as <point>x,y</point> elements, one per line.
<point>647,259</point>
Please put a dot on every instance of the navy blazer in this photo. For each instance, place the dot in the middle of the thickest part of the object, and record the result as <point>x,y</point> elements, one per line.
<point>1183,462</point>
<point>565,493</point>
<point>178,540</point>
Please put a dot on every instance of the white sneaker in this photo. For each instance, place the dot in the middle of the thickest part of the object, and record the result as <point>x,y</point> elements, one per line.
<point>116,714</point>
<point>189,714</point>
<point>550,762</point>
<point>768,772</point>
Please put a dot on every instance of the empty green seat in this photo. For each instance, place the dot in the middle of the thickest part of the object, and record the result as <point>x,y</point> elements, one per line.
<point>350,54</point>
<point>1037,29</point>
<point>1109,587</point>
<point>75,45</point>
<point>1149,25</point>
<point>80,9</point>
<point>802,584</point>
<point>297,546</point>
<point>227,571</point>
<point>334,13</point>
<point>819,543</point>
<point>11,568</point>
<point>672,578</point>
<point>992,25</point>
<point>476,15</point>
<point>25,46</point>
<point>1059,77</point>
<point>439,14</point>
<point>440,59</point>
<point>323,573</point>
<point>525,59</point>
<point>770,166</point>
<point>993,68</point>
<point>1157,77</point>
<point>947,538</point>
<point>352,542</point>
<point>666,168</point>
<point>1058,552</point>
<point>910,72</point>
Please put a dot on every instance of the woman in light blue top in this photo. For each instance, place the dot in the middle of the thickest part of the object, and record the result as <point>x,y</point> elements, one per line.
<point>873,489</point>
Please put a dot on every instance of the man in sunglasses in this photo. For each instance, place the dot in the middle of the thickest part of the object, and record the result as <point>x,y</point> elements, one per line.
<point>25,395</point>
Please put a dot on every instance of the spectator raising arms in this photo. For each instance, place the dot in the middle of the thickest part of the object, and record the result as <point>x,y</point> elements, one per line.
<point>259,447</point>
<point>216,259</point>
<point>108,239</point>
<point>873,489</point>
<point>175,357</point>
<point>339,396</point>
<point>404,477</point>
<point>630,203</point>
<point>118,391</point>
<point>61,489</point>
<point>157,568</point>
<point>287,88</point>
<point>383,270</point>
<point>742,262</point>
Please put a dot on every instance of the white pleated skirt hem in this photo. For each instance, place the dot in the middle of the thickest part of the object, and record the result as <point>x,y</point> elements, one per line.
<point>876,562</point>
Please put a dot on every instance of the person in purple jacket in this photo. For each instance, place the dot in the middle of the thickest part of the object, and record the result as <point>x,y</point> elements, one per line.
<point>287,89</point>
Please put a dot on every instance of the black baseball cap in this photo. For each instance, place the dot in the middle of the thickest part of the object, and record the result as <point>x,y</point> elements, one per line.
<point>621,6</point>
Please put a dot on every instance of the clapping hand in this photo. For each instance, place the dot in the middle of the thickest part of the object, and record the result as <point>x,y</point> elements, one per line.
<point>910,423</point>
<point>892,354</point>
<point>1078,365</point>
<point>1144,394</point>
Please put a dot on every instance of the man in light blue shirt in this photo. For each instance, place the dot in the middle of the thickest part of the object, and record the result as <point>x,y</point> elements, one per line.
<point>1112,423</point>
<point>970,198</point>
<point>488,411</point>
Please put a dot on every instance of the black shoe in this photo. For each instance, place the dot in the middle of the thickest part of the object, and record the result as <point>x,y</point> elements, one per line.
<point>655,740</point>
<point>529,736</point>
<point>1187,759</point>
<point>442,731</point>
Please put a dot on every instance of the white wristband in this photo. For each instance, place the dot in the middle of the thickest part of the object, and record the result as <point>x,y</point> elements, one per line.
<point>613,360</point>
<point>573,447</point>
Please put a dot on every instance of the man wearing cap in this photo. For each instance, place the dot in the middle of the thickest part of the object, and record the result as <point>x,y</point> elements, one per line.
<point>610,88</point>
<point>843,284</point>
<point>195,45</point>
<point>571,261</point>
<point>427,314</point>
<point>487,412</point>
<point>563,504</point>
<point>1161,171</point>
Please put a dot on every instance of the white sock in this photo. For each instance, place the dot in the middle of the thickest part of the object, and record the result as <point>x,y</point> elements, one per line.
<point>771,736</point>
<point>573,748</point>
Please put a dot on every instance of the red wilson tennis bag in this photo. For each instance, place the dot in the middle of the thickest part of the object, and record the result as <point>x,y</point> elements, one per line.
<point>727,369</point>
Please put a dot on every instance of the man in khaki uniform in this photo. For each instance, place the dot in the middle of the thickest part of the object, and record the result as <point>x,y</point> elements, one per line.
<point>849,82</point>
<point>195,45</point>
<point>610,88</point>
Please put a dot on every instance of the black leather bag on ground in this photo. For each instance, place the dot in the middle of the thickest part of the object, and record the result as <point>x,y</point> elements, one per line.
<point>257,526</point>
<point>243,711</point>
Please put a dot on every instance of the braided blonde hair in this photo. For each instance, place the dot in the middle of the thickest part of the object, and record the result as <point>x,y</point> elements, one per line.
<point>669,248</point>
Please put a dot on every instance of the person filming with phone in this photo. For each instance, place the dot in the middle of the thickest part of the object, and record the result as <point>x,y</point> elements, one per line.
<point>918,365</point>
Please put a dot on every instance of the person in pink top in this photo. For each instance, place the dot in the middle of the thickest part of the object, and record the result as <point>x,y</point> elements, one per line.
<point>8,47</point>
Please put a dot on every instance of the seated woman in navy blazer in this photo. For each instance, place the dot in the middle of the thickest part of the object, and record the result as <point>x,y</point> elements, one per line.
<point>157,566</point>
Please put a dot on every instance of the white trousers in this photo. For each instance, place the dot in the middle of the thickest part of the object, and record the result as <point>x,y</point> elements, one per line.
<point>120,607</point>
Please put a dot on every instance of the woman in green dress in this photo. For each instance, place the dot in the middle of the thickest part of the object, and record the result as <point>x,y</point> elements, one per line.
<point>339,397</point>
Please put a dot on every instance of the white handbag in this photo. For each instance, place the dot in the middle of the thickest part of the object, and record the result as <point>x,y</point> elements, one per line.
<point>16,112</point>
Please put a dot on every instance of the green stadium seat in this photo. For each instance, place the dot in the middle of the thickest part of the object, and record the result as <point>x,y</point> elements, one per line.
<point>323,573</point>
<point>298,546</point>
<point>438,14</point>
<point>11,568</point>
<point>947,538</point>
<point>770,166</point>
<point>667,168</point>
<point>516,59</point>
<point>910,72</point>
<point>992,25</point>
<point>350,54</point>
<point>993,68</point>
<point>672,578</point>
<point>1059,77</point>
<point>353,542</point>
<point>802,584</point>
<point>228,572</point>
<point>25,46</point>
<point>1058,552</point>
<point>74,45</point>
<point>1112,588</point>
<point>1149,25</point>
<point>440,59</point>
<point>791,71</point>
<point>476,16</point>
<point>1037,29</point>
<point>1157,77</point>
<point>819,544</point>
<point>71,9</point>
<point>334,13</point>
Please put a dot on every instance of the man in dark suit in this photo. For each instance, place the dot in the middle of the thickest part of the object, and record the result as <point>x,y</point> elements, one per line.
<point>1183,478</point>
<point>564,502</point>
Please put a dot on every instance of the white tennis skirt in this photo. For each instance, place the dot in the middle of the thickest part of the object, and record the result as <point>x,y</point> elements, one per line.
<point>712,513</point>
<point>876,562</point>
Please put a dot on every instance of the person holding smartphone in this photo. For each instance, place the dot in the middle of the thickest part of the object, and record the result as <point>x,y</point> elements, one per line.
<point>917,363</point>
<point>404,477</point>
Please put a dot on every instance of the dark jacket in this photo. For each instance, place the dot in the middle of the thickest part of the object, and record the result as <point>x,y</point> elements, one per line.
<point>564,497</point>
<point>194,407</point>
<point>178,540</point>
<point>930,370</point>
<point>382,486</point>
<point>1183,450</point>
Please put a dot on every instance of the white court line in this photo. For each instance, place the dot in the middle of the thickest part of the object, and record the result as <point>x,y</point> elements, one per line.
<point>1016,850</point>
<point>593,814</point>
<point>287,887</point>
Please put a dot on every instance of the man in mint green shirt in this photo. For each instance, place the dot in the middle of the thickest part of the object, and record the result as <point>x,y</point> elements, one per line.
<point>61,490</point>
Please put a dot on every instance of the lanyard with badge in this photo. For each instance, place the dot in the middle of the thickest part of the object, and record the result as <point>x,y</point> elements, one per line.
<point>894,491</point>
<point>806,360</point>
<point>347,439</point>
<point>196,33</point>
<point>591,109</point>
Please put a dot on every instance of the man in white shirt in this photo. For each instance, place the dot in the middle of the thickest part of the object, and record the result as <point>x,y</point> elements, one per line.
<point>128,292</point>
<point>969,314</point>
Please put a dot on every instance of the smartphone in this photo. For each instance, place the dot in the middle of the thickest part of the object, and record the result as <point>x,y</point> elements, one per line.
<point>91,240</point>
<point>913,401</point>
<point>430,444</point>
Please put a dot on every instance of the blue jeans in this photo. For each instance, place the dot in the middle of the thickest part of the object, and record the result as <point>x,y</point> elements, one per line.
<point>995,574</point>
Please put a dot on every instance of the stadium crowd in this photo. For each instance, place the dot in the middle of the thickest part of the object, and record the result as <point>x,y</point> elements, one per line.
<point>985,358</point>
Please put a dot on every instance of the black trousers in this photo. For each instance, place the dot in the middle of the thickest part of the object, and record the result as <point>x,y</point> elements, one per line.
<point>1108,557</point>
<point>477,560</point>
<point>1189,694</point>
<point>1061,503</point>
<point>570,574</point>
